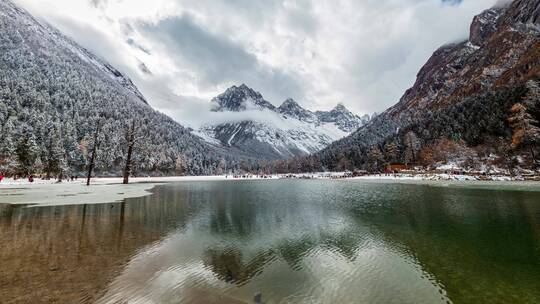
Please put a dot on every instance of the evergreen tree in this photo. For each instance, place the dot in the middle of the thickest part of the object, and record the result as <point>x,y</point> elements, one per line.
<point>27,153</point>
<point>54,153</point>
<point>376,157</point>
<point>344,164</point>
<point>8,159</point>
<point>7,143</point>
<point>392,152</point>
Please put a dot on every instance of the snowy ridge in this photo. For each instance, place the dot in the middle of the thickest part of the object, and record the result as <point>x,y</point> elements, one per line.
<point>59,40</point>
<point>276,132</point>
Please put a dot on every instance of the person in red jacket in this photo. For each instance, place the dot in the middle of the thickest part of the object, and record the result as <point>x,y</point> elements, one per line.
<point>1,177</point>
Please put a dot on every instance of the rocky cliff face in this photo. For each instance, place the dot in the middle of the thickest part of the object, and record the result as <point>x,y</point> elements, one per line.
<point>523,12</point>
<point>502,49</point>
<point>493,68</point>
<point>484,25</point>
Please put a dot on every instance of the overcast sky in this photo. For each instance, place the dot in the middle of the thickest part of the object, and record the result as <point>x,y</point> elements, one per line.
<point>362,53</point>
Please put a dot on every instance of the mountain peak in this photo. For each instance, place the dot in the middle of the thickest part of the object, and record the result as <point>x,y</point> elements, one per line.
<point>292,108</point>
<point>239,98</point>
<point>289,101</point>
<point>242,90</point>
<point>341,108</point>
<point>337,113</point>
<point>289,104</point>
<point>342,117</point>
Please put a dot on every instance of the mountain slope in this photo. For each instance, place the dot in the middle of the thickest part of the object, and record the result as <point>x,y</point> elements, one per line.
<point>53,95</point>
<point>267,132</point>
<point>463,93</point>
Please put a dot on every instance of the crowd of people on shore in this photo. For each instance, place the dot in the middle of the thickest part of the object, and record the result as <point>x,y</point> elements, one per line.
<point>248,176</point>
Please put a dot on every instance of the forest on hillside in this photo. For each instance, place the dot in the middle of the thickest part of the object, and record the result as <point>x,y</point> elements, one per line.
<point>55,97</point>
<point>498,129</point>
<point>55,135</point>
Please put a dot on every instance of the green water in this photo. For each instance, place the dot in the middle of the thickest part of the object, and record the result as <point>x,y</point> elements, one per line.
<point>293,241</point>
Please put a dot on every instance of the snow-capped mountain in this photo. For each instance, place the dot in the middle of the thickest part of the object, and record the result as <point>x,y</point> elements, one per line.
<point>237,99</point>
<point>344,119</point>
<point>270,132</point>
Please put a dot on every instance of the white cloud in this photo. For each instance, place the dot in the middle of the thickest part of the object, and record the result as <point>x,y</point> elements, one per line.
<point>361,53</point>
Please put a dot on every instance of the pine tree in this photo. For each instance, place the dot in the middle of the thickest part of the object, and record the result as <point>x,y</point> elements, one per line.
<point>4,113</point>
<point>8,159</point>
<point>74,156</point>
<point>7,137</point>
<point>27,153</point>
<point>54,153</point>
<point>180,164</point>
<point>38,166</point>
<point>376,157</point>
<point>344,163</point>
<point>392,152</point>
<point>63,168</point>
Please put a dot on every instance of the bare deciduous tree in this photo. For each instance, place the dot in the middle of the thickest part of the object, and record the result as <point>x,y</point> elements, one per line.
<point>95,147</point>
<point>412,145</point>
<point>131,140</point>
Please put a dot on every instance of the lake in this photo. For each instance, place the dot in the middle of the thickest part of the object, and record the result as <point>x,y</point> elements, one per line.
<point>292,241</point>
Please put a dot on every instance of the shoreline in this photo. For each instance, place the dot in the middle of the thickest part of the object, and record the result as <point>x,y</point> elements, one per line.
<point>111,190</point>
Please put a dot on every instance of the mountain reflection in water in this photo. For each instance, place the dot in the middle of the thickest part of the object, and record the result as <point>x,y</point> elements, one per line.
<point>293,241</point>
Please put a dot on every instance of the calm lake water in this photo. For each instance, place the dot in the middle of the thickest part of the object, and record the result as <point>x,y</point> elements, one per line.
<point>293,241</point>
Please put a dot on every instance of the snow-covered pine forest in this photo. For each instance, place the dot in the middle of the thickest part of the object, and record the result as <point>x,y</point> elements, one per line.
<point>54,95</point>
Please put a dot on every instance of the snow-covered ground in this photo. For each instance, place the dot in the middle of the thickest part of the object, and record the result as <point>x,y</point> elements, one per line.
<point>434,177</point>
<point>9,182</point>
<point>106,190</point>
<point>102,190</point>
